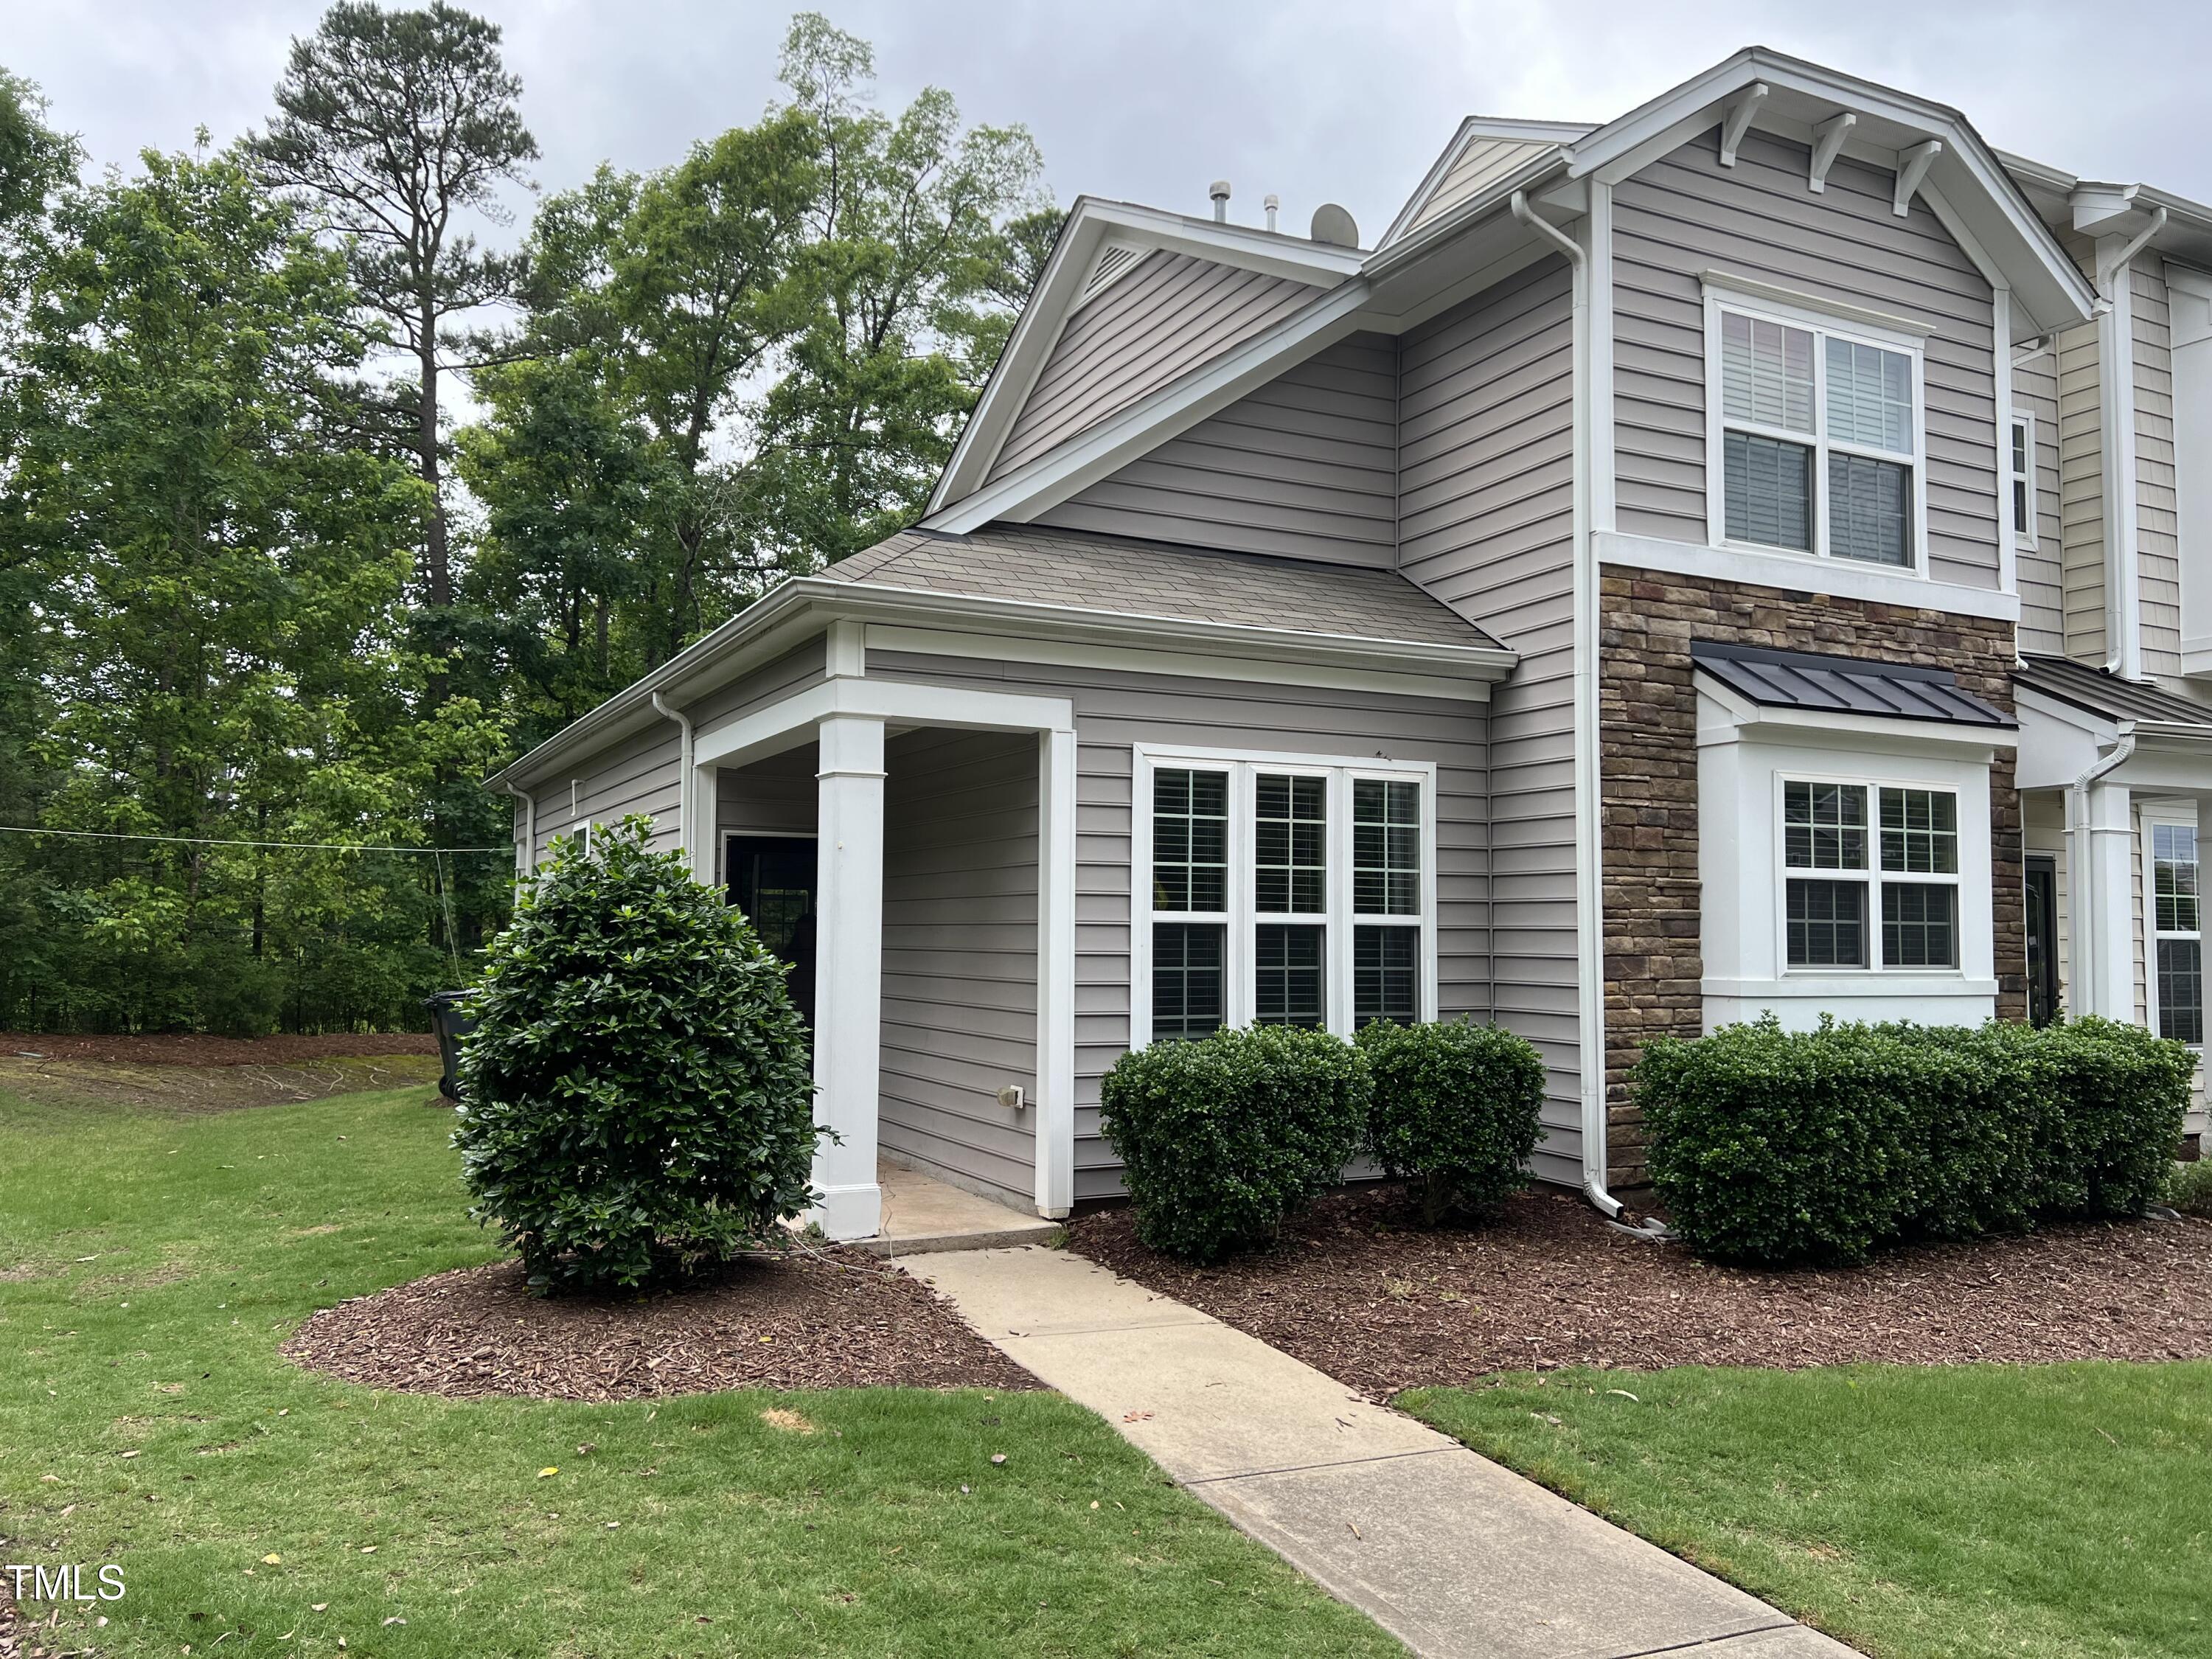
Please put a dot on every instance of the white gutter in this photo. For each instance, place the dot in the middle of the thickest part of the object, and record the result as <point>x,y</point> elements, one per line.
<point>528,861</point>
<point>2084,883</point>
<point>683,778</point>
<point>1589,846</point>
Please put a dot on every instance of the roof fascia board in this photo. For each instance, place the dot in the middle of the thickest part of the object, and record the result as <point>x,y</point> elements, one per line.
<point>1091,454</point>
<point>1058,294</point>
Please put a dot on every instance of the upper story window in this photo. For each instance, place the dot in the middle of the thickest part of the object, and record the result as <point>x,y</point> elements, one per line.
<point>2020,478</point>
<point>1815,433</point>
<point>2178,927</point>
<point>1293,891</point>
<point>1870,876</point>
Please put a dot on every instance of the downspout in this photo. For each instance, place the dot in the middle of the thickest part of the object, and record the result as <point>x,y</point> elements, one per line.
<point>2085,899</point>
<point>683,784</point>
<point>2124,650</point>
<point>1589,850</point>
<point>528,861</point>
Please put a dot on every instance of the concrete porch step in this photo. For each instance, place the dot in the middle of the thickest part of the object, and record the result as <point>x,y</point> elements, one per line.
<point>924,1216</point>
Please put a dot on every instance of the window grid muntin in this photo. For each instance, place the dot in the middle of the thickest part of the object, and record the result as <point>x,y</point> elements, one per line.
<point>2177,925</point>
<point>1840,800</point>
<point>1289,843</point>
<point>1386,974</point>
<point>1191,811</point>
<point>1244,918</point>
<point>1721,306</point>
<point>1386,846</point>
<point>1290,974</point>
<point>1190,986</point>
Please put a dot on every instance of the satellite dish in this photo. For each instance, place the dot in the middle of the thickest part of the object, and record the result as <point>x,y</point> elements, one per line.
<point>1332,224</point>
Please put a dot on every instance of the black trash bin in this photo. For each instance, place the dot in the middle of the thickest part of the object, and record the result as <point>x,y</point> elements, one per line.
<point>451,1024</point>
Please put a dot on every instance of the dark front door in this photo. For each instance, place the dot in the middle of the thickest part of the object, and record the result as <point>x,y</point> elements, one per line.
<point>772,880</point>
<point>2042,940</point>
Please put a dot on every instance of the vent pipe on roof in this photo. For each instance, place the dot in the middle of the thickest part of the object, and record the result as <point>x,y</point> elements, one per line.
<point>1218,190</point>
<point>1272,202</point>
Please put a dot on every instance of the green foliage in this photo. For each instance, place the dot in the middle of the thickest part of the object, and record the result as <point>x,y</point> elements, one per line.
<point>2189,1187</point>
<point>1454,1110</point>
<point>1770,1146</point>
<point>1220,1139</point>
<point>394,123</point>
<point>637,1095</point>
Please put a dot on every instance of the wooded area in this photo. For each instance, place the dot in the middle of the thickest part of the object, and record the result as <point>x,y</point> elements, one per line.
<point>264,583</point>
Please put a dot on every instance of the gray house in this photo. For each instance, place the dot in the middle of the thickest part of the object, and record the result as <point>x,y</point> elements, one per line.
<point>1598,606</point>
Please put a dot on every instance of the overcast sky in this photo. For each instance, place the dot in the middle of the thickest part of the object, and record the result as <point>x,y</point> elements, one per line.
<point>1148,100</point>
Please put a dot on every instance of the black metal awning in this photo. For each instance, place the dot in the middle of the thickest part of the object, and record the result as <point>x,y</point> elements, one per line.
<point>2101,692</point>
<point>1844,685</point>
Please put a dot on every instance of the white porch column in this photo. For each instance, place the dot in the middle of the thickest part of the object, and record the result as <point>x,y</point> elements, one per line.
<point>2100,856</point>
<point>848,972</point>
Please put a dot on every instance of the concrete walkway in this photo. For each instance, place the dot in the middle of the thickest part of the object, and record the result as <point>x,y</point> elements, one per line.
<point>1446,1550</point>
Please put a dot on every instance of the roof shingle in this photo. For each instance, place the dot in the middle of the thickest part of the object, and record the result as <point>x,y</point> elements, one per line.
<point>1145,579</point>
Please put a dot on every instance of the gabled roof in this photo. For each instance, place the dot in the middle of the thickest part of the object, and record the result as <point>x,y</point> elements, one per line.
<point>1486,150</point>
<point>1119,576</point>
<point>1093,226</point>
<point>1844,685</point>
<point>2101,692</point>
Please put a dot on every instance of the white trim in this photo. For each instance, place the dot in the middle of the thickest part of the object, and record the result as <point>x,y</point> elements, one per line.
<point>783,725</point>
<point>1222,665</point>
<point>848,972</point>
<point>1338,920</point>
<point>1055,1059</point>
<point>1742,110</point>
<point>1829,143</point>
<point>1605,442</point>
<point>2151,816</point>
<point>2116,360</point>
<point>2024,535</point>
<point>1724,295</point>
<point>1810,311</point>
<point>2009,530</point>
<point>1074,465</point>
<point>1803,573</point>
<point>1912,167</point>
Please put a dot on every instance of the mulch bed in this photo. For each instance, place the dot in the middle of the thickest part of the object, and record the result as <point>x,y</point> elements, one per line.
<point>1356,1290</point>
<point>183,1048</point>
<point>830,1319</point>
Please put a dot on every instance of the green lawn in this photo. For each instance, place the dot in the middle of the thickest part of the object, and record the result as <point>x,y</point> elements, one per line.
<point>1934,1512</point>
<point>149,1266</point>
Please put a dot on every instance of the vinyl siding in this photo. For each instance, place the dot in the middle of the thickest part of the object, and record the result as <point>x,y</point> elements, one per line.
<point>1685,214</point>
<point>1485,434</point>
<point>1117,709</point>
<point>1171,313</point>
<point>1480,165</point>
<point>2158,520</point>
<point>778,795</point>
<point>960,961</point>
<point>2081,492</point>
<point>2041,567</point>
<point>637,775</point>
<point>1305,467</point>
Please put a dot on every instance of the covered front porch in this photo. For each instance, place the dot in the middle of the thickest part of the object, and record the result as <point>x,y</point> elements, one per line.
<point>910,850</point>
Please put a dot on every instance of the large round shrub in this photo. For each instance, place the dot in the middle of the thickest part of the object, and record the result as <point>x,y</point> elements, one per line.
<point>637,1094</point>
<point>1221,1138</point>
<point>1455,1111</point>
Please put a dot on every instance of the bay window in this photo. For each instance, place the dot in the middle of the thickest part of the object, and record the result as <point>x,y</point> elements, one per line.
<point>2177,930</point>
<point>1814,432</point>
<point>1290,890</point>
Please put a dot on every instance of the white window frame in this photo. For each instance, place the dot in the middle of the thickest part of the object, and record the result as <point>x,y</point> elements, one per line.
<point>2153,935</point>
<point>2024,524</point>
<point>1242,918</point>
<point>1873,877</point>
<point>1824,323</point>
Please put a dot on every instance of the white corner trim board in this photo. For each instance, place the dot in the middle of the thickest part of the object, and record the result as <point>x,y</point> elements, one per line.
<point>1800,573</point>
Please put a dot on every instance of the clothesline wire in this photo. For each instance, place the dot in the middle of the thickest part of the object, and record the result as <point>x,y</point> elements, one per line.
<point>216,841</point>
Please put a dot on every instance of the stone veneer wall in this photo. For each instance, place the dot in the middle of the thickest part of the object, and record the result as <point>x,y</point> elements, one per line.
<point>1648,765</point>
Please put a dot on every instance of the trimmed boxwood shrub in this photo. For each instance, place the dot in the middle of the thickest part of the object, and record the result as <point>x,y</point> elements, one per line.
<point>1223,1137</point>
<point>1454,1110</point>
<point>1769,1146</point>
<point>638,1094</point>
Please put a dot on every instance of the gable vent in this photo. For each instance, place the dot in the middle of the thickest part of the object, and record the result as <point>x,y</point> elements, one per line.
<point>1113,262</point>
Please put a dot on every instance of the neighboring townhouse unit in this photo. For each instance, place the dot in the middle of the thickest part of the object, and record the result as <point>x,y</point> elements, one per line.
<point>1597,607</point>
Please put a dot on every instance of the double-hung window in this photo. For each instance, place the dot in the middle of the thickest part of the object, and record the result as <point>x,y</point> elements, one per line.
<point>1870,877</point>
<point>1815,435</point>
<point>1292,892</point>
<point>2178,930</point>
